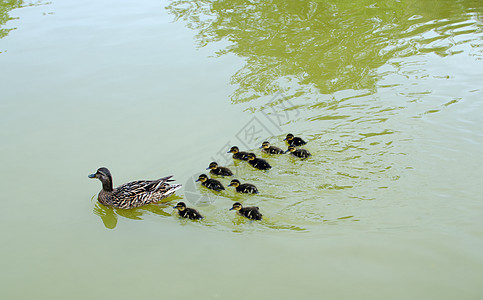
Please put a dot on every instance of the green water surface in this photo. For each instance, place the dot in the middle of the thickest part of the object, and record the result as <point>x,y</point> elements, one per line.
<point>388,95</point>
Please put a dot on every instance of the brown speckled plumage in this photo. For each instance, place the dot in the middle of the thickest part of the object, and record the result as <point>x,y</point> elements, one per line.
<point>132,194</point>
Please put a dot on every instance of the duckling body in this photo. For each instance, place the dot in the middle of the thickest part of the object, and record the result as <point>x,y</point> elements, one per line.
<point>273,150</point>
<point>267,148</point>
<point>132,194</point>
<point>301,153</point>
<point>251,213</point>
<point>246,188</point>
<point>294,140</point>
<point>186,212</point>
<point>210,183</point>
<point>220,171</point>
<point>258,163</point>
<point>237,154</point>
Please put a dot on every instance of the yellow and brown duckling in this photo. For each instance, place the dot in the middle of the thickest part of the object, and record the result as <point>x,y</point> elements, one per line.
<point>294,140</point>
<point>237,154</point>
<point>258,163</point>
<point>267,148</point>
<point>251,213</point>
<point>217,170</point>
<point>301,153</point>
<point>187,212</point>
<point>132,194</point>
<point>246,188</point>
<point>210,183</point>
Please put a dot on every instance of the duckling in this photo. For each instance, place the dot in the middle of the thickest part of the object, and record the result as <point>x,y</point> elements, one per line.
<point>132,194</point>
<point>266,148</point>
<point>251,213</point>
<point>210,183</point>
<point>187,212</point>
<point>258,163</point>
<point>302,153</point>
<point>216,170</point>
<point>247,188</point>
<point>295,141</point>
<point>237,154</point>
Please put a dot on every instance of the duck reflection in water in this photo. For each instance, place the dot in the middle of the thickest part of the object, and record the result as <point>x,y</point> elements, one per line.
<point>109,215</point>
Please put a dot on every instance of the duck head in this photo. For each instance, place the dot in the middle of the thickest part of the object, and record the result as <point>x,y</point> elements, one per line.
<point>180,206</point>
<point>105,177</point>
<point>235,183</point>
<point>291,149</point>
<point>202,178</point>
<point>236,206</point>
<point>251,156</point>
<point>234,149</point>
<point>212,166</point>
<point>289,137</point>
<point>265,145</point>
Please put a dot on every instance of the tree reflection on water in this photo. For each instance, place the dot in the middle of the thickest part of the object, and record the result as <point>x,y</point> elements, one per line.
<point>324,46</point>
<point>109,215</point>
<point>8,5</point>
<point>5,8</point>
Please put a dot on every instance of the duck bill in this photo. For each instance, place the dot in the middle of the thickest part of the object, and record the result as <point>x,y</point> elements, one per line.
<point>92,176</point>
<point>260,147</point>
<point>197,180</point>
<point>231,208</point>
<point>230,184</point>
<point>208,168</point>
<point>286,151</point>
<point>228,152</point>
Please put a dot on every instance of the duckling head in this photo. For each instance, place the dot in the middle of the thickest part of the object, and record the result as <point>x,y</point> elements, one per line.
<point>213,165</point>
<point>234,149</point>
<point>289,137</point>
<point>251,156</point>
<point>235,183</point>
<point>236,206</point>
<point>291,149</point>
<point>202,178</point>
<point>180,206</point>
<point>265,145</point>
<point>104,176</point>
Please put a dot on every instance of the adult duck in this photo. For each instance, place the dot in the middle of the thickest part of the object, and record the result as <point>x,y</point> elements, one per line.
<point>132,194</point>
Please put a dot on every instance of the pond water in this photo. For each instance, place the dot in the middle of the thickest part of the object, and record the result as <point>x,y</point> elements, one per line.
<point>388,95</point>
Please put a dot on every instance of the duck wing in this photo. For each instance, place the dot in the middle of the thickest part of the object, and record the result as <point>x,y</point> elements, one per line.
<point>142,192</point>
